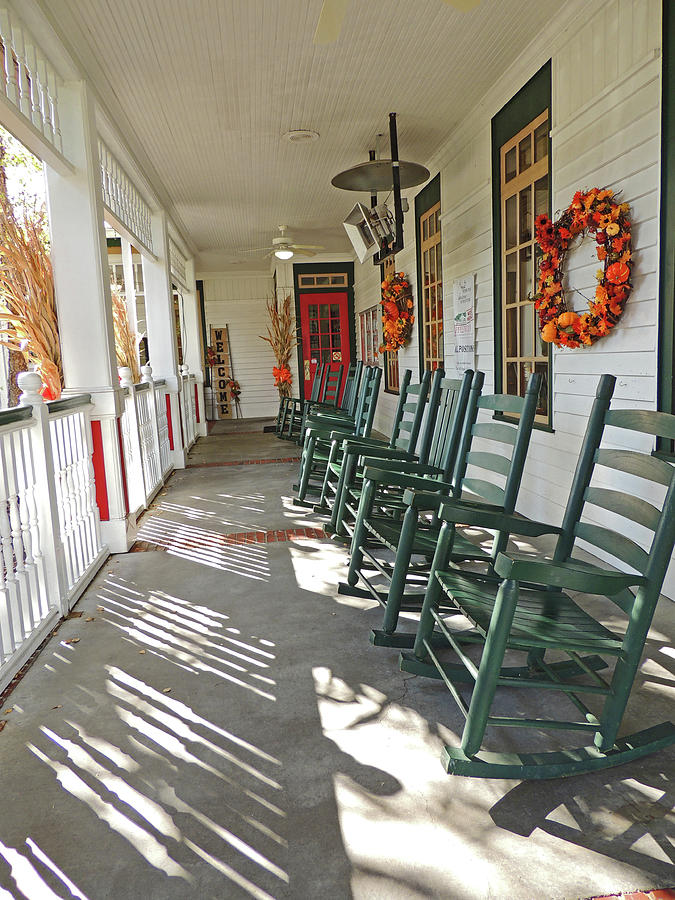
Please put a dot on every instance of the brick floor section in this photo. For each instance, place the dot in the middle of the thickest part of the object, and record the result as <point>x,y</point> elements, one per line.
<point>243,462</point>
<point>239,537</point>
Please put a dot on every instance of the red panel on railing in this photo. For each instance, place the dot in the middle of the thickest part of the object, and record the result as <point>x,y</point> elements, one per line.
<point>99,471</point>
<point>125,489</point>
<point>168,420</point>
<point>197,403</point>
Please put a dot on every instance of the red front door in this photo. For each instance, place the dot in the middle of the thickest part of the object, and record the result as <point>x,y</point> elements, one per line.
<point>324,325</point>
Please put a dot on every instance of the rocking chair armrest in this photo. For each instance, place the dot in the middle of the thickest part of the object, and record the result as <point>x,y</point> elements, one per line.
<point>328,432</point>
<point>488,515</point>
<point>361,445</point>
<point>571,574</point>
<point>385,454</point>
<point>408,467</point>
<point>394,477</point>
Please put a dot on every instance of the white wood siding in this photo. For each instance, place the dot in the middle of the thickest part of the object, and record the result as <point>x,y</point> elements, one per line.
<point>606,90</point>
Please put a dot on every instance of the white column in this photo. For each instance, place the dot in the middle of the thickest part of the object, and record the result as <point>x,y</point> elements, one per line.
<point>82,283</point>
<point>193,352</point>
<point>161,327</point>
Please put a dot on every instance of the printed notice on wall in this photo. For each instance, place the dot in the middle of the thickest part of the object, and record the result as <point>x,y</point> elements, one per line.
<point>463,296</point>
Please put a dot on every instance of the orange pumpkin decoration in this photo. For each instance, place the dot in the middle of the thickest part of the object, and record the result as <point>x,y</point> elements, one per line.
<point>549,332</point>
<point>567,318</point>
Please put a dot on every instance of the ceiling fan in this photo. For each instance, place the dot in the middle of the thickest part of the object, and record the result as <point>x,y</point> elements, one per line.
<point>333,13</point>
<point>284,247</point>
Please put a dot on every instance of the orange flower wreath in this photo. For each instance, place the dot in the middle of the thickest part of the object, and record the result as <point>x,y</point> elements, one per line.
<point>596,212</point>
<point>398,317</point>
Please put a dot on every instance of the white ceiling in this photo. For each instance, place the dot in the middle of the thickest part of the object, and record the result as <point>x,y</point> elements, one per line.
<point>209,87</point>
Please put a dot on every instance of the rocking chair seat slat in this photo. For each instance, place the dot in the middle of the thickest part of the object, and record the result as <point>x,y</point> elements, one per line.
<point>548,619</point>
<point>388,531</point>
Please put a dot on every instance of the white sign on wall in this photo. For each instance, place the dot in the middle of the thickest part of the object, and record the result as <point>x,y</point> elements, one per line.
<point>463,292</point>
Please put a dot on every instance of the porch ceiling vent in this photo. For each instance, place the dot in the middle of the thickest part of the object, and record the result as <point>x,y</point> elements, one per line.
<point>301,136</point>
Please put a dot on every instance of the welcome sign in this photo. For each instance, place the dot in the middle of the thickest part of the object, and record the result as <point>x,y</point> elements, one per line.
<point>220,372</point>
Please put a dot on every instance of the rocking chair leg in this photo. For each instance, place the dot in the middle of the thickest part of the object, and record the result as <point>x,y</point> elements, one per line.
<point>306,467</point>
<point>433,593</point>
<point>359,536</point>
<point>341,493</point>
<point>491,663</point>
<point>397,584</point>
<point>332,456</point>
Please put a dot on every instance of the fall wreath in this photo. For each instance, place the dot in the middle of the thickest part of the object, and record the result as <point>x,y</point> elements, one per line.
<point>597,213</point>
<point>398,317</point>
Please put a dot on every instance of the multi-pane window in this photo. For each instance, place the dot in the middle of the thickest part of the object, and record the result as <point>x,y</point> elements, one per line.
<point>330,279</point>
<point>432,288</point>
<point>524,166</point>
<point>391,375</point>
<point>369,321</point>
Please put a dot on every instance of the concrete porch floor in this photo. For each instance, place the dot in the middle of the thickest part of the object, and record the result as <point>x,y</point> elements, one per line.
<point>216,725</point>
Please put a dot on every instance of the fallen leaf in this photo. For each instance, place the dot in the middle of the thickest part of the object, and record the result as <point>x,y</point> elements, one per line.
<point>2,724</point>
<point>72,641</point>
<point>74,615</point>
<point>141,651</point>
<point>166,691</point>
<point>58,706</point>
<point>54,632</point>
<point>101,608</point>
<point>90,619</point>
<point>8,710</point>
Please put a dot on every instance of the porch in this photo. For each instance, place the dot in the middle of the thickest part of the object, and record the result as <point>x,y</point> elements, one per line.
<point>211,721</point>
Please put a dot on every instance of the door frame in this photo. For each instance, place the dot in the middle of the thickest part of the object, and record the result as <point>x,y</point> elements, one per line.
<point>322,269</point>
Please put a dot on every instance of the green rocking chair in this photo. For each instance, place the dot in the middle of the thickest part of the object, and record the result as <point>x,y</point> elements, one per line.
<point>524,606</point>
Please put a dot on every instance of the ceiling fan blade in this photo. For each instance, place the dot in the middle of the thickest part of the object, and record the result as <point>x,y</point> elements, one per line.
<point>306,247</point>
<point>330,21</point>
<point>463,5</point>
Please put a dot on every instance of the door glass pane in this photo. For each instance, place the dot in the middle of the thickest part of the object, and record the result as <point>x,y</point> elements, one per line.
<point>313,311</point>
<point>313,326</point>
<point>510,164</point>
<point>512,378</point>
<point>541,141</point>
<point>511,222</point>
<point>525,153</point>
<point>526,215</point>
<point>541,196</point>
<point>511,276</point>
<point>511,332</point>
<point>334,309</point>
<point>527,329</point>
<point>322,280</point>
<point>525,273</point>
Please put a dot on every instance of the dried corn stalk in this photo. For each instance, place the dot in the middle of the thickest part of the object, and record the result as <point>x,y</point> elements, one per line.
<point>28,320</point>
<point>281,336</point>
<point>126,341</point>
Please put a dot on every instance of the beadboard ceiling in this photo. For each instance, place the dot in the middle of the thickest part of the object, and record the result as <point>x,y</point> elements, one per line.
<point>206,89</point>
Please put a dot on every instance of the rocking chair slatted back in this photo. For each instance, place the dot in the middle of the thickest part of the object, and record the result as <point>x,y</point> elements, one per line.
<point>351,385</point>
<point>449,400</point>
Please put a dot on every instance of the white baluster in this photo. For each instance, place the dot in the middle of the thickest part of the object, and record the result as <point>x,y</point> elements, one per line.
<point>10,586</point>
<point>10,86</point>
<point>46,502</point>
<point>20,53</point>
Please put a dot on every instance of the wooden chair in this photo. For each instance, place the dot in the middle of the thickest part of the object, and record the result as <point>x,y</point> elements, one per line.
<point>502,454</point>
<point>437,448</point>
<point>290,407</point>
<point>401,444</point>
<point>329,396</point>
<point>524,606</point>
<point>347,409</point>
<point>321,431</point>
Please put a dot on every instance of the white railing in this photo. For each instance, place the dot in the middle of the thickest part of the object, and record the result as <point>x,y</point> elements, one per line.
<point>79,525</point>
<point>161,396</point>
<point>187,408</point>
<point>29,82</point>
<point>144,425</point>
<point>49,524</point>
<point>123,199</point>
